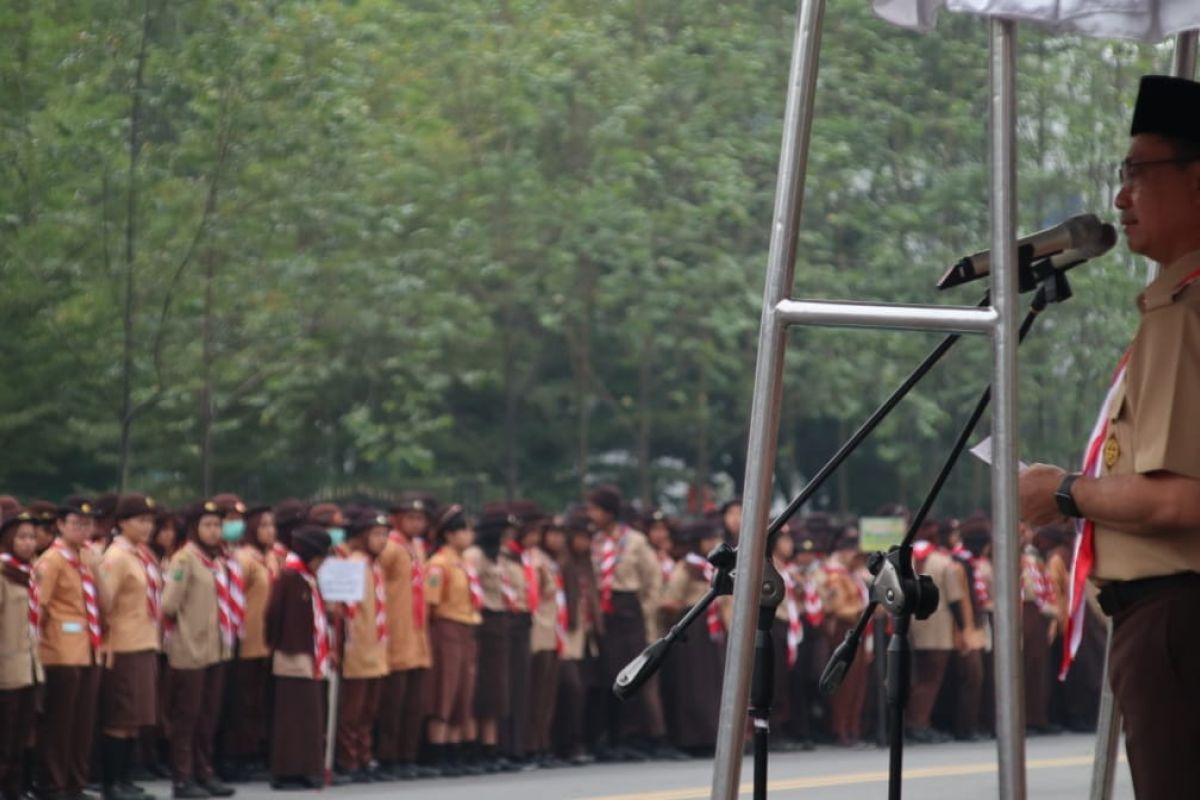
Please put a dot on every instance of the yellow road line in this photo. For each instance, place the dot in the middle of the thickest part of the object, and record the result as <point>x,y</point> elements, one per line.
<point>852,778</point>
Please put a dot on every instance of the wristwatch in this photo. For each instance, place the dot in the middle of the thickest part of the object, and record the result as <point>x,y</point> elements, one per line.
<point>1063,498</point>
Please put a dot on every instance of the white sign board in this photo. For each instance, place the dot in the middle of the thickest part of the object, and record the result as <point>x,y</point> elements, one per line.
<point>342,580</point>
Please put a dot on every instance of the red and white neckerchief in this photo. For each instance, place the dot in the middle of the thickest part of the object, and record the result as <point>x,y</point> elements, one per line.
<point>560,601</point>
<point>814,607</point>
<point>980,585</point>
<point>381,622</point>
<point>418,578</point>
<point>154,582</point>
<point>533,595</point>
<point>473,584</point>
<point>90,603</point>
<point>227,578</point>
<point>795,634</point>
<point>1034,579</point>
<point>1085,530</point>
<point>716,628</point>
<point>667,565</point>
<point>320,634</point>
<point>611,549</point>
<point>921,549</point>
<point>506,588</point>
<point>35,603</point>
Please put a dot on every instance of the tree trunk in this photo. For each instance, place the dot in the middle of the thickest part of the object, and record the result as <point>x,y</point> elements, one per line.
<point>129,304</point>
<point>645,422</point>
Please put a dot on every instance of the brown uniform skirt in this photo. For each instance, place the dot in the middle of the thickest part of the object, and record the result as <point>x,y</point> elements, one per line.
<point>492,700</point>
<point>454,664</point>
<point>298,732</point>
<point>129,691</point>
<point>691,685</point>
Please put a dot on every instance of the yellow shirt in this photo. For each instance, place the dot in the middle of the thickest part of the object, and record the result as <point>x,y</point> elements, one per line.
<point>448,588</point>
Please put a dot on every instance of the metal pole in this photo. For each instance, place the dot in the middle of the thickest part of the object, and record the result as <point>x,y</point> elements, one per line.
<point>1108,725</point>
<point>1185,54</point>
<point>1108,734</point>
<point>1010,717</point>
<point>897,316</point>
<point>768,390</point>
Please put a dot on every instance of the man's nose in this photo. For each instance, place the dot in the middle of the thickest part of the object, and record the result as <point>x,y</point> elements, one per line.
<point>1121,201</point>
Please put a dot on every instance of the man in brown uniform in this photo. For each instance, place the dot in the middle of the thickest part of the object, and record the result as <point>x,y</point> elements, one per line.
<point>405,702</point>
<point>70,647</point>
<point>1138,497</point>
<point>200,642</point>
<point>629,580</point>
<point>130,600</point>
<point>933,639</point>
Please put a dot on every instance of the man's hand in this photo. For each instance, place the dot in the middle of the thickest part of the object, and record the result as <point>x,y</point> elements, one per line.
<point>1035,493</point>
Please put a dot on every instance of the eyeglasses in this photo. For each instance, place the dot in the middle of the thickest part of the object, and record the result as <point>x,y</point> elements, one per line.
<point>1127,170</point>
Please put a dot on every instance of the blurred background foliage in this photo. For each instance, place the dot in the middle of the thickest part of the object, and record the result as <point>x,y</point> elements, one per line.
<point>511,247</point>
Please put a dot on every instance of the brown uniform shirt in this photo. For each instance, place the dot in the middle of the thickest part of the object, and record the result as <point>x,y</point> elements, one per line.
<point>64,624</point>
<point>129,626</point>
<point>408,645</point>
<point>366,653</point>
<point>259,571</point>
<point>1153,417</point>
<point>637,570</point>
<point>19,662</point>
<point>545,620</point>
<point>448,588</point>
<point>190,601</point>
<point>937,632</point>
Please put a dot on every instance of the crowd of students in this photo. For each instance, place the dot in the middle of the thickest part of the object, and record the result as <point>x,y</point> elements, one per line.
<point>196,642</point>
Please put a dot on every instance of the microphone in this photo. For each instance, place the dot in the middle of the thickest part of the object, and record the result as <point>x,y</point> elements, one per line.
<point>1082,232</point>
<point>1068,259</point>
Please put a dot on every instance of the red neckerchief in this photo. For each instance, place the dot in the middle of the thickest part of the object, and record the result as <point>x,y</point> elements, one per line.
<point>35,604</point>
<point>716,628</point>
<point>91,606</point>
<point>320,633</point>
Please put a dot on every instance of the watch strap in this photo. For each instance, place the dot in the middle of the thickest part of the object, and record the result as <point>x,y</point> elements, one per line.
<point>1063,497</point>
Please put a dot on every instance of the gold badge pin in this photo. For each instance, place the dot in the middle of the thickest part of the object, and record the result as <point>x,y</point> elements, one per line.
<point>1112,451</point>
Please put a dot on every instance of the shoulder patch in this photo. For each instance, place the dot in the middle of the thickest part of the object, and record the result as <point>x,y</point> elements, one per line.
<point>177,575</point>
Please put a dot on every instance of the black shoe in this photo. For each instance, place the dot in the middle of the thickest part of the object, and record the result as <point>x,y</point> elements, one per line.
<point>217,789</point>
<point>120,792</point>
<point>473,768</point>
<point>189,791</point>
<point>581,760</point>
<point>920,736</point>
<point>451,771</point>
<point>133,788</point>
<point>665,752</point>
<point>340,779</point>
<point>425,771</point>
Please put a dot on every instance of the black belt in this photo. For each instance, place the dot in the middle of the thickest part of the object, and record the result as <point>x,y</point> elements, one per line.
<point>1117,596</point>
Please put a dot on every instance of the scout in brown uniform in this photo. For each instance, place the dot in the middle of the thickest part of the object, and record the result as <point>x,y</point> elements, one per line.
<point>692,674</point>
<point>455,599</point>
<point>933,639</point>
<point>969,658</point>
<point>203,614</point>
<point>130,590</point>
<point>493,702</point>
<point>1138,500</point>
<point>405,702</point>
<point>581,646</point>
<point>260,564</point>
<point>1039,611</point>
<point>364,662</point>
<point>630,582</point>
<point>20,668</point>
<point>298,635</point>
<point>522,598</point>
<point>843,602</point>
<point>543,544</point>
<point>69,649</point>
<point>787,633</point>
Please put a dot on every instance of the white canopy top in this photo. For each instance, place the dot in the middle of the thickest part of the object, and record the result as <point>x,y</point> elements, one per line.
<point>1145,20</point>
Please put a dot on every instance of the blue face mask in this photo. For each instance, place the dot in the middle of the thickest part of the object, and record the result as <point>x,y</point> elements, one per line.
<point>337,535</point>
<point>232,529</point>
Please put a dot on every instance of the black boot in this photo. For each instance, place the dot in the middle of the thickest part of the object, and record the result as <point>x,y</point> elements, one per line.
<point>112,765</point>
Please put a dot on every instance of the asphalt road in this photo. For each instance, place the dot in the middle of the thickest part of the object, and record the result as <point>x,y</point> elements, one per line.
<point>1058,767</point>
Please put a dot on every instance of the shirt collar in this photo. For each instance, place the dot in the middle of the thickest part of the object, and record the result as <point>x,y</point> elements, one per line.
<point>1162,291</point>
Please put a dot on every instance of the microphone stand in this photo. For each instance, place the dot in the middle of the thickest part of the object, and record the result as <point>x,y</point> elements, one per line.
<point>762,690</point>
<point>898,588</point>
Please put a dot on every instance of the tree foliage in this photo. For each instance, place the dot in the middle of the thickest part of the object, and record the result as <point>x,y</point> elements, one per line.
<point>317,247</point>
